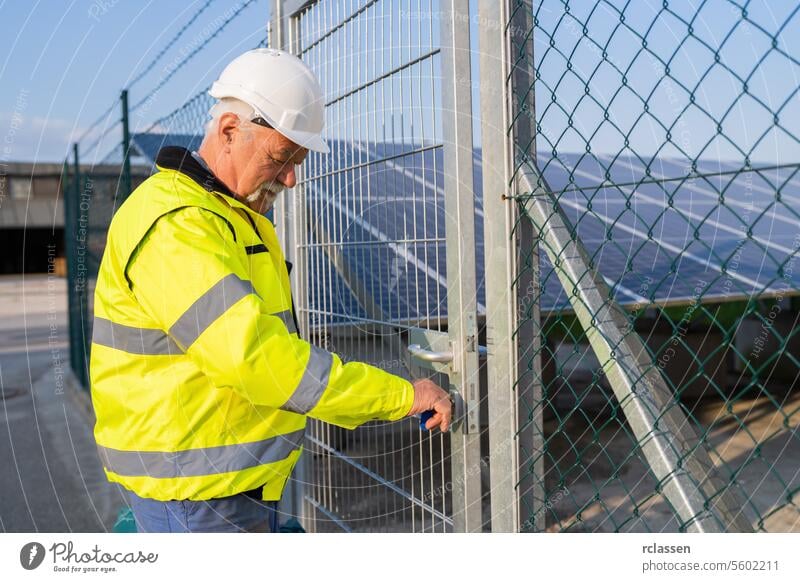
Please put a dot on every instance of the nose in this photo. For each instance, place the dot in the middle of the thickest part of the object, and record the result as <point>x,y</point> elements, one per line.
<point>288,177</point>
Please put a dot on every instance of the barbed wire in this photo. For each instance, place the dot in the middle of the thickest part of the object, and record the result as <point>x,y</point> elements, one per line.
<point>169,45</point>
<point>191,55</point>
<point>97,122</point>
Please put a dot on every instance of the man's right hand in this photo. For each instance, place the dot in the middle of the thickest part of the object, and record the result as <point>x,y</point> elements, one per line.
<point>429,396</point>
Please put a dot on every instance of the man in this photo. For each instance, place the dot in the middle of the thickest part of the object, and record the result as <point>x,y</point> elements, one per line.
<point>200,383</point>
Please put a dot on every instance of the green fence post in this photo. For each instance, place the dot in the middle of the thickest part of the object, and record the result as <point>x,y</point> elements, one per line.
<point>75,290</point>
<point>80,227</point>
<point>69,248</point>
<point>125,178</point>
<point>75,321</point>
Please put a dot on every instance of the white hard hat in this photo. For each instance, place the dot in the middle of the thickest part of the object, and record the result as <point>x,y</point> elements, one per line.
<point>282,90</point>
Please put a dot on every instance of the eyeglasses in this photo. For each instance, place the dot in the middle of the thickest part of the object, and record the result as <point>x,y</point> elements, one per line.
<point>262,122</point>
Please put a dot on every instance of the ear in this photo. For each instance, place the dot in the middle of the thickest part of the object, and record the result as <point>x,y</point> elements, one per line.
<point>228,127</point>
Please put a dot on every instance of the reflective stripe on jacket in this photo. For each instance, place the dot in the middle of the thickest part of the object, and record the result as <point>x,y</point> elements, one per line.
<point>200,383</point>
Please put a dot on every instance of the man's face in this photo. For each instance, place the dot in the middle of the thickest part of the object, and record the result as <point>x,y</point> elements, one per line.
<point>264,162</point>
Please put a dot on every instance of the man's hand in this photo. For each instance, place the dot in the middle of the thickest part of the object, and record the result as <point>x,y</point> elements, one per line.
<point>429,396</point>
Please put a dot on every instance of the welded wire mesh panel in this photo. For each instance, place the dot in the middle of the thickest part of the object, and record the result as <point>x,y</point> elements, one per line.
<point>371,249</point>
<point>666,134</point>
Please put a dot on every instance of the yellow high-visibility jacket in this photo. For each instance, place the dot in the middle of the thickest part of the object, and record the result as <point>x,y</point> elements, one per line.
<point>200,383</point>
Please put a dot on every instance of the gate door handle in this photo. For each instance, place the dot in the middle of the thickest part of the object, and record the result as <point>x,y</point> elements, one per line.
<point>429,356</point>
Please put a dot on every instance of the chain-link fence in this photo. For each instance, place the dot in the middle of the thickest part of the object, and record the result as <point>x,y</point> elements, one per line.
<point>656,154</point>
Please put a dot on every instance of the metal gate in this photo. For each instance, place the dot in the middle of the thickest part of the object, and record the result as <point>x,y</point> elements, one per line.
<point>381,233</point>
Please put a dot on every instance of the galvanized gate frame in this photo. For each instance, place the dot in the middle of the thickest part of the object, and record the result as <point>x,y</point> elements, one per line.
<point>462,295</point>
<point>461,277</point>
<point>688,477</point>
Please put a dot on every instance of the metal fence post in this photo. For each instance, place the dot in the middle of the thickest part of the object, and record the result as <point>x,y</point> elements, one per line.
<point>76,293</point>
<point>461,292</point>
<point>516,465</point>
<point>69,189</point>
<point>529,388</point>
<point>282,213</point>
<point>499,268</point>
<point>125,176</point>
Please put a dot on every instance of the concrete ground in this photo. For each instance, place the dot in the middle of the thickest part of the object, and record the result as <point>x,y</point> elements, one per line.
<point>52,479</point>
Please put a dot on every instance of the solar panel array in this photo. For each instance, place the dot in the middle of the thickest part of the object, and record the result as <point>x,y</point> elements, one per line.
<point>669,235</point>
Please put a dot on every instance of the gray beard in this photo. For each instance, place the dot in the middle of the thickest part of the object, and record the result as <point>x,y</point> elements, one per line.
<point>266,197</point>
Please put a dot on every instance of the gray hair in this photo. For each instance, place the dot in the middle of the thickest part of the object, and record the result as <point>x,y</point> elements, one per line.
<point>238,107</point>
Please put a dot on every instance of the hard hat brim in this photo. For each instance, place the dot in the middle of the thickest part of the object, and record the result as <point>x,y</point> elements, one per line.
<point>311,141</point>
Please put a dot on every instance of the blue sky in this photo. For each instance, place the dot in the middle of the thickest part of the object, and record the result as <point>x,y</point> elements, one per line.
<point>745,52</point>
<point>62,64</point>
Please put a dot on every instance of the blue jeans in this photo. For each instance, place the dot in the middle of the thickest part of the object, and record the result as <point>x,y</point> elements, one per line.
<point>237,513</point>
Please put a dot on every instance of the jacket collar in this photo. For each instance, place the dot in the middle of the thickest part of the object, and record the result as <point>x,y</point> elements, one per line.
<point>181,160</point>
